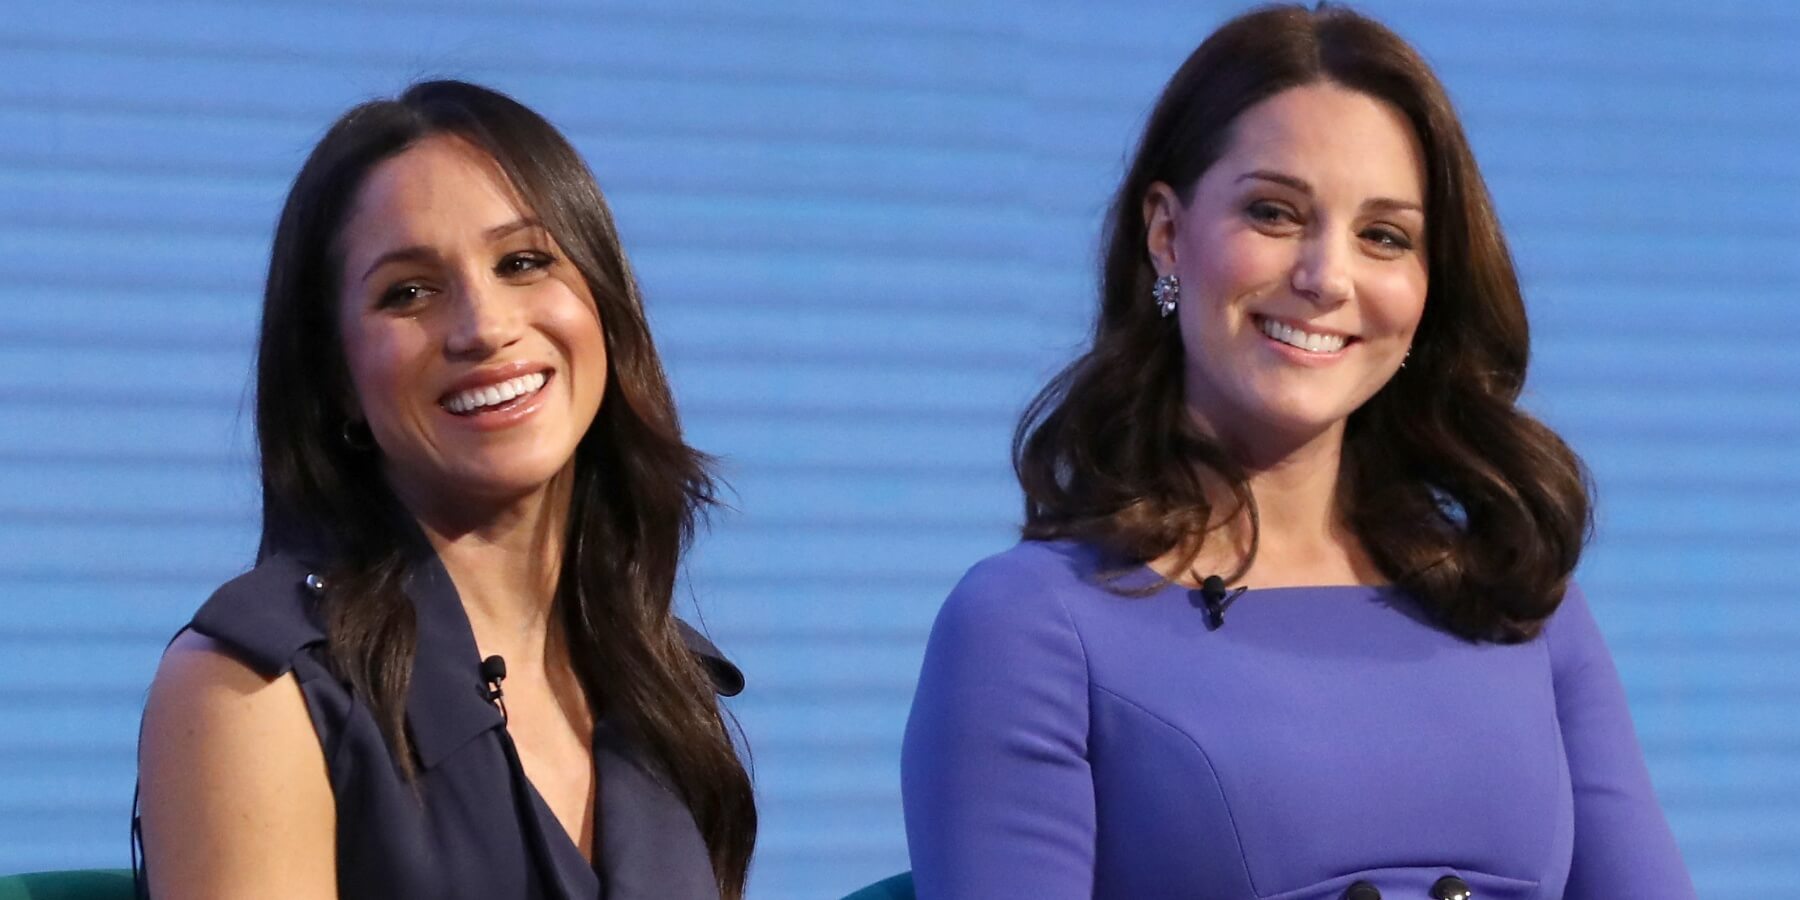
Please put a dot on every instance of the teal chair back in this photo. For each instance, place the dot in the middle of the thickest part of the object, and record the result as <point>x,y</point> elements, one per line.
<point>899,887</point>
<point>74,884</point>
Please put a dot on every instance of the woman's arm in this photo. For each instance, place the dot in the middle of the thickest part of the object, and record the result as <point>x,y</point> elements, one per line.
<point>236,799</point>
<point>998,794</point>
<point>1623,846</point>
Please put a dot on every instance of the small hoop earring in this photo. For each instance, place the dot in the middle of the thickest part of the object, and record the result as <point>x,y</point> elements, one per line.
<point>1167,294</point>
<point>357,436</point>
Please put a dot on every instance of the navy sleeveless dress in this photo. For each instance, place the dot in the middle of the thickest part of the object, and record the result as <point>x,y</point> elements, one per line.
<point>471,825</point>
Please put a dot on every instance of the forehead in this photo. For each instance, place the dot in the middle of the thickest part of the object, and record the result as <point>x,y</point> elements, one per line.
<point>440,191</point>
<point>1337,139</point>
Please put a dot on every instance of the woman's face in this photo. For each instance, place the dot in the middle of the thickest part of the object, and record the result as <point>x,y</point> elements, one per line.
<point>474,347</point>
<point>1302,264</point>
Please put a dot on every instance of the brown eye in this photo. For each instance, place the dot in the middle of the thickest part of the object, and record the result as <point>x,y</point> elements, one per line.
<point>515,264</point>
<point>403,294</point>
<point>1267,213</point>
<point>1388,238</point>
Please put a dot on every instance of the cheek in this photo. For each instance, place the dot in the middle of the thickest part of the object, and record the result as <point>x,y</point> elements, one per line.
<point>1232,265</point>
<point>379,356</point>
<point>1397,300</point>
<point>573,322</point>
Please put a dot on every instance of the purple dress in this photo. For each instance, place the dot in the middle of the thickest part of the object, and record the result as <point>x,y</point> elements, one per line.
<point>1069,742</point>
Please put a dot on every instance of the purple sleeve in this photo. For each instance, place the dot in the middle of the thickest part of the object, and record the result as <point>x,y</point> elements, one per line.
<point>1623,846</point>
<point>998,795</point>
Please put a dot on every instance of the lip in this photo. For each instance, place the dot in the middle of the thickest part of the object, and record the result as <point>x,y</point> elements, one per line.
<point>1296,355</point>
<point>1309,327</point>
<point>507,414</point>
<point>487,376</point>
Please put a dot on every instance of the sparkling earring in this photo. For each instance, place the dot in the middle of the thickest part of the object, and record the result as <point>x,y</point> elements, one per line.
<point>357,436</point>
<point>1167,293</point>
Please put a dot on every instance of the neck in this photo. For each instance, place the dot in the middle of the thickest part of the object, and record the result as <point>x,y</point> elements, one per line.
<point>1300,534</point>
<point>1296,495</point>
<point>505,558</point>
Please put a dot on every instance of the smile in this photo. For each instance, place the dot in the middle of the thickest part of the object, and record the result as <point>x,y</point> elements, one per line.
<point>495,396</point>
<point>1311,342</point>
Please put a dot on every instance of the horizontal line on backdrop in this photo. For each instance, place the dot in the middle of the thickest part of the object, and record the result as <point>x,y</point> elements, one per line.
<point>750,74</point>
<point>29,697</point>
<point>1736,851</point>
<point>1712,695</point>
<point>742,525</point>
<point>245,459</point>
<point>61,806</point>
<point>950,254</point>
<point>638,193</point>
<point>203,579</point>
<point>1652,642</point>
<point>664,13</point>
<point>1719,744</point>
<point>251,290</point>
<point>78,632</point>
<point>100,749</point>
<point>204,338</point>
<point>1685,24</point>
<point>834,795</point>
<point>1073,206</point>
<point>824,741</point>
<point>66,398</point>
<point>744,634</point>
<point>870,192</point>
<point>571,126</point>
<point>93,572</point>
<point>676,352</point>
<point>223,458</point>
<point>1749,538</point>
<point>902,470</point>
<point>848,852</point>
<point>1771,795</point>
<point>722,578</point>
<point>123,515</point>
<point>760,696</point>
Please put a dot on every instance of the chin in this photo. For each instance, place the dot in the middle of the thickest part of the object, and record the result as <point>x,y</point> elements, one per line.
<point>501,480</point>
<point>1298,422</point>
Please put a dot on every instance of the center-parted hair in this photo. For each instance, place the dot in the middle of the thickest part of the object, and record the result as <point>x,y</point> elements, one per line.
<point>1460,497</point>
<point>639,489</point>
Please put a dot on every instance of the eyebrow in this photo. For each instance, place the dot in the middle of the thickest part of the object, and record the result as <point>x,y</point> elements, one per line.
<point>1299,184</point>
<point>419,252</point>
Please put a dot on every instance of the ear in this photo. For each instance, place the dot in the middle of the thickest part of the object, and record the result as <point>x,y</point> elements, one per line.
<point>348,403</point>
<point>1162,211</point>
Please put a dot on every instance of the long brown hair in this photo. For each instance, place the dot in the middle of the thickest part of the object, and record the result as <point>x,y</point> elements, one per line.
<point>1474,507</point>
<point>638,492</point>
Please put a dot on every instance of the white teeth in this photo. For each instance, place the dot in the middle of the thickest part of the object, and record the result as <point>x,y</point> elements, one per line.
<point>1305,340</point>
<point>495,394</point>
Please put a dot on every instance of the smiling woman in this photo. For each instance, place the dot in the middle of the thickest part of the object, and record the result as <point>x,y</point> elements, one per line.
<point>1303,379</point>
<point>454,670</point>
<point>454,300</point>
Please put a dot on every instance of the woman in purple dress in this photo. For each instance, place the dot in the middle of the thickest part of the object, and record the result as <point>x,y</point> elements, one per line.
<point>1293,615</point>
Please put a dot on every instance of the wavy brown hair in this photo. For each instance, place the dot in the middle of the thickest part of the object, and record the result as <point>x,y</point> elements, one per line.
<point>1471,505</point>
<point>638,491</point>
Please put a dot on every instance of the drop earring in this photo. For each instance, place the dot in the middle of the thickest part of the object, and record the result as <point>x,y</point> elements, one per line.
<point>357,436</point>
<point>1167,294</point>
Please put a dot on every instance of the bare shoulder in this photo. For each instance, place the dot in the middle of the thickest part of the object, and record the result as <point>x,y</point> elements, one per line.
<point>235,791</point>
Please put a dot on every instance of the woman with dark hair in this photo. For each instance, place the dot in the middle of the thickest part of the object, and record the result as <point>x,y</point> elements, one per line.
<point>1293,616</point>
<point>454,670</point>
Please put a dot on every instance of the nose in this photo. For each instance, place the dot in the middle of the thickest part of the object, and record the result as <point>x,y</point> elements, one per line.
<point>484,320</point>
<point>1322,273</point>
